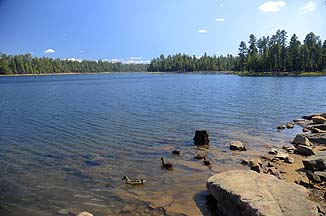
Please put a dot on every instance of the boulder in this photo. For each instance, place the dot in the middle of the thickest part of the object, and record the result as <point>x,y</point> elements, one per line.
<point>304,150</point>
<point>237,146</point>
<point>301,139</point>
<point>316,162</point>
<point>249,193</point>
<point>319,138</point>
<point>201,138</point>
<point>318,120</point>
<point>289,125</point>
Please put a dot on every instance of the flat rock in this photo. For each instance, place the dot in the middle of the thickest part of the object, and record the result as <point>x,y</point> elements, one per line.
<point>273,151</point>
<point>316,162</point>
<point>237,146</point>
<point>319,138</point>
<point>289,125</point>
<point>304,150</point>
<point>281,155</point>
<point>301,139</point>
<point>318,119</point>
<point>281,127</point>
<point>248,193</point>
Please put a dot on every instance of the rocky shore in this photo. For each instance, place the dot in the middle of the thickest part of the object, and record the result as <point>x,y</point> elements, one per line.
<point>286,181</point>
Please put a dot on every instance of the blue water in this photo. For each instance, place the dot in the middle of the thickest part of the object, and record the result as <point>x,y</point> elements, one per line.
<point>66,141</point>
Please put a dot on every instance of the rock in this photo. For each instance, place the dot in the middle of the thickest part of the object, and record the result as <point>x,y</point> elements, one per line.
<point>273,151</point>
<point>63,212</point>
<point>289,125</point>
<point>237,146</point>
<point>200,156</point>
<point>319,138</point>
<point>318,126</point>
<point>316,162</point>
<point>240,192</point>
<point>299,120</point>
<point>318,120</point>
<point>289,160</point>
<point>255,165</point>
<point>301,139</point>
<point>321,174</point>
<point>304,150</point>
<point>313,177</point>
<point>85,213</point>
<point>304,130</point>
<point>256,168</point>
<point>289,148</point>
<point>281,155</point>
<point>244,162</point>
<point>281,127</point>
<point>201,138</point>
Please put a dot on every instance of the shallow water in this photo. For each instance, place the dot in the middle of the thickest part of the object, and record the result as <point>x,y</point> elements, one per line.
<point>66,141</point>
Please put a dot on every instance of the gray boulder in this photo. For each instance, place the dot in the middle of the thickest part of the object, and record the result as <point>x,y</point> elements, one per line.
<point>301,139</point>
<point>237,146</point>
<point>304,150</point>
<point>249,193</point>
<point>318,138</point>
<point>316,162</point>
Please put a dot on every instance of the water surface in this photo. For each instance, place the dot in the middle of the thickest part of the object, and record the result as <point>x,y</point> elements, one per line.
<point>66,141</point>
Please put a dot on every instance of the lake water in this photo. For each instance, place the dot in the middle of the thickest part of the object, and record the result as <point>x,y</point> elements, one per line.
<point>67,141</point>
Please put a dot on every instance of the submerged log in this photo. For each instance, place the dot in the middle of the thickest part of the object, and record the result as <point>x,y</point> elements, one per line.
<point>201,138</point>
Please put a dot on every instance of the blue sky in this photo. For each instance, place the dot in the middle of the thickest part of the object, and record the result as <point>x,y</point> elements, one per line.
<point>138,30</point>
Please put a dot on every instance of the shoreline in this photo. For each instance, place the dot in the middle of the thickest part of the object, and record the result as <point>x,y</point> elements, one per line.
<point>302,162</point>
<point>243,74</point>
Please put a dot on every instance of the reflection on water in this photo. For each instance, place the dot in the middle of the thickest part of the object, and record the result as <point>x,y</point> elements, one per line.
<point>66,141</point>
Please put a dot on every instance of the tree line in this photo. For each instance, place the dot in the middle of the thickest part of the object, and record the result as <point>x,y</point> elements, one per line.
<point>274,54</point>
<point>27,64</point>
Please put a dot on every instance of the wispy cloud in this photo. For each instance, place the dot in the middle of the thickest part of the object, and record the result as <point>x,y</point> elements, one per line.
<point>203,31</point>
<point>272,6</point>
<point>49,51</point>
<point>308,7</point>
<point>220,19</point>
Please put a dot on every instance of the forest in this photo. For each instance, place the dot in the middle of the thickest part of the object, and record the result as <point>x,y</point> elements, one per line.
<point>276,55</point>
<point>272,54</point>
<point>26,64</point>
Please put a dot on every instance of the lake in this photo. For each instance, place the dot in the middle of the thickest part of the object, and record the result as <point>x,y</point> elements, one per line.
<point>66,141</point>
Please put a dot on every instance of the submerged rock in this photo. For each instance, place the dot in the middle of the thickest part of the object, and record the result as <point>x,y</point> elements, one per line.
<point>281,127</point>
<point>289,125</point>
<point>201,138</point>
<point>316,162</point>
<point>237,146</point>
<point>241,192</point>
<point>289,160</point>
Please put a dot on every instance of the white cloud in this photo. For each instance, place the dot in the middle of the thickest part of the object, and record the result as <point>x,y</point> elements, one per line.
<point>272,6</point>
<point>203,31</point>
<point>114,60</point>
<point>74,59</point>
<point>308,7</point>
<point>220,19</point>
<point>137,60</point>
<point>49,51</point>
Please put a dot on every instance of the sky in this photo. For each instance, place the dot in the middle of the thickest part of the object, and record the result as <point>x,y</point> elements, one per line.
<point>135,31</point>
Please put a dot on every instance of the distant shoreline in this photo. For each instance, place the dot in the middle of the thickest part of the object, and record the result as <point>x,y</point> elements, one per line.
<point>251,74</point>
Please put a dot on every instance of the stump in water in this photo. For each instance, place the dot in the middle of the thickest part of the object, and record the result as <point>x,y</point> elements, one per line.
<point>201,138</point>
